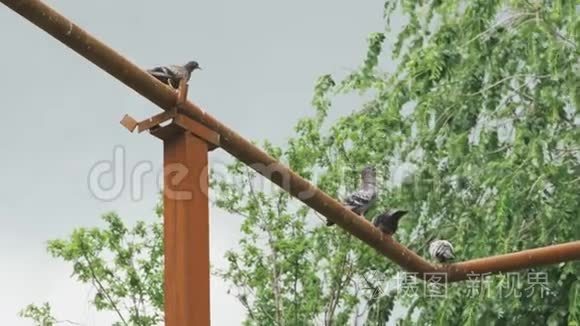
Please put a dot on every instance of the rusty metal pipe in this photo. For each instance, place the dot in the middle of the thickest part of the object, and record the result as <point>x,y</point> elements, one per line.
<point>519,260</point>
<point>100,54</point>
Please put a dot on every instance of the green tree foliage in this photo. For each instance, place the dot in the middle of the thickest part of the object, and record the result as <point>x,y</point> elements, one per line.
<point>41,316</point>
<point>476,133</point>
<point>124,266</point>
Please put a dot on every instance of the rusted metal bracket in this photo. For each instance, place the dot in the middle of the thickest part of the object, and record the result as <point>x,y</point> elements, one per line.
<point>129,123</point>
<point>181,93</point>
<point>179,123</point>
<point>156,120</point>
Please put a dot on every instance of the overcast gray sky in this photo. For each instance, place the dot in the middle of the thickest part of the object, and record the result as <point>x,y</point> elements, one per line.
<point>260,60</point>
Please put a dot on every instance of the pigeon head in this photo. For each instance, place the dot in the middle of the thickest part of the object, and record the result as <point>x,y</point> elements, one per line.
<point>191,66</point>
<point>388,222</point>
<point>369,174</point>
<point>398,214</point>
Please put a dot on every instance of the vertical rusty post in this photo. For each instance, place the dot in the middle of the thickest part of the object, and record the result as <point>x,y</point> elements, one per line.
<point>186,230</point>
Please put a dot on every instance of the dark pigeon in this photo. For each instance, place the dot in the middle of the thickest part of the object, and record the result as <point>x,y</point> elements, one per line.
<point>361,200</point>
<point>172,75</point>
<point>388,222</point>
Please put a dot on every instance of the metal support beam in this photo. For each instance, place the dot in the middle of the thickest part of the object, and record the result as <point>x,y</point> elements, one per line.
<point>185,228</point>
<point>521,260</point>
<point>137,79</point>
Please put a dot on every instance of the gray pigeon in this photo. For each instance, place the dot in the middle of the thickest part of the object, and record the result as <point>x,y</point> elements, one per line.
<point>171,75</point>
<point>360,201</point>
<point>388,222</point>
<point>442,250</point>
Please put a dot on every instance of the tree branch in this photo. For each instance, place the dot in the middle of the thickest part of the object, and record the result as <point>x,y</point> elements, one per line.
<point>102,288</point>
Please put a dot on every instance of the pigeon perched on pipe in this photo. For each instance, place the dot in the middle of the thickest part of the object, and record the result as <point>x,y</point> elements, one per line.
<point>360,201</point>
<point>388,222</point>
<point>173,74</point>
<point>442,250</point>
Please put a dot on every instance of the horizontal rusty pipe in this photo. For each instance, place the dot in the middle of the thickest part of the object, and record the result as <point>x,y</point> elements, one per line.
<point>100,54</point>
<point>520,260</point>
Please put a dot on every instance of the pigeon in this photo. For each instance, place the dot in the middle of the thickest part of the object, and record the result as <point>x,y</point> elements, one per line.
<point>360,201</point>
<point>442,250</point>
<point>388,222</point>
<point>172,75</point>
